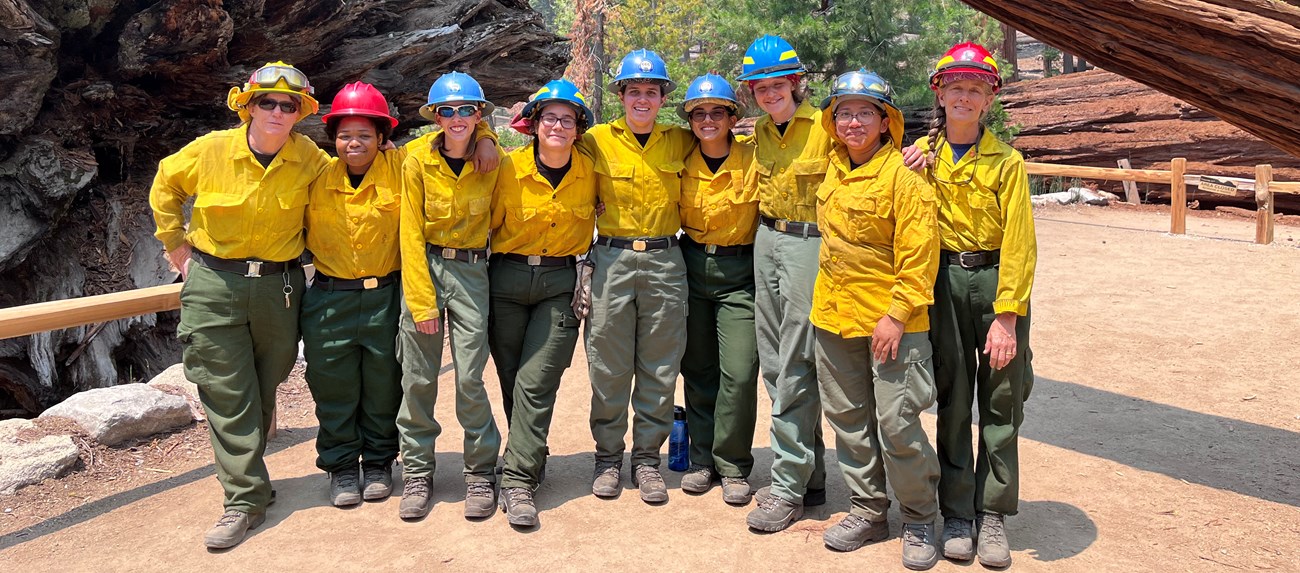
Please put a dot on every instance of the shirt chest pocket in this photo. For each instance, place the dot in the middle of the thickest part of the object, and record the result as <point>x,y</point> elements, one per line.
<point>670,175</point>
<point>868,220</point>
<point>617,185</point>
<point>808,176</point>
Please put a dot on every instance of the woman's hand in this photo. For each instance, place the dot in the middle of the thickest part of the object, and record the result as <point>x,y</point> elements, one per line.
<point>485,155</point>
<point>1000,346</point>
<point>885,338</point>
<point>428,326</point>
<point>914,158</point>
<point>180,259</point>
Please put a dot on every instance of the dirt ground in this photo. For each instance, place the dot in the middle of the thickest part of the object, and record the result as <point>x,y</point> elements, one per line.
<point>1163,434</point>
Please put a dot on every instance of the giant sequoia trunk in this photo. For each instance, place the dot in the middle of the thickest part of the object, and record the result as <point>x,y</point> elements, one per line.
<point>97,91</point>
<point>1237,59</point>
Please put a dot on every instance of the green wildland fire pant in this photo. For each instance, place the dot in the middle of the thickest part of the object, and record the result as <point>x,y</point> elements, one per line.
<point>637,329</point>
<point>875,409</point>
<point>785,270</point>
<point>462,290</point>
<point>240,341</point>
<point>350,343</point>
<point>985,478</point>
<point>720,367</point>
<point>533,332</point>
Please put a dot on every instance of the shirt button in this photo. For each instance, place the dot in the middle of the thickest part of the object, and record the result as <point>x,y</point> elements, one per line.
<point>261,209</point>
<point>782,146</point>
<point>552,196</point>
<point>835,259</point>
<point>544,251</point>
<point>552,224</point>
<point>782,170</point>
<point>358,245</point>
<point>455,235</point>
<point>713,227</point>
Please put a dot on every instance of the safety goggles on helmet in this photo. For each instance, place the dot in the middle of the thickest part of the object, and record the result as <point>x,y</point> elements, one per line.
<point>267,104</point>
<point>455,110</point>
<point>272,74</point>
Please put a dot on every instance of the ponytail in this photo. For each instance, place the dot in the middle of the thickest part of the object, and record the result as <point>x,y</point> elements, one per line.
<point>937,126</point>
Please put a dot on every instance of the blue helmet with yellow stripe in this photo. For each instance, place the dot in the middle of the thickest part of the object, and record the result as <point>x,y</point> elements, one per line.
<point>561,90</point>
<point>769,57</point>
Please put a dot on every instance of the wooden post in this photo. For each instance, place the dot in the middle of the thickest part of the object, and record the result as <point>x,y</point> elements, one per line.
<point>1130,187</point>
<point>1067,63</point>
<point>1264,200</point>
<point>1177,196</point>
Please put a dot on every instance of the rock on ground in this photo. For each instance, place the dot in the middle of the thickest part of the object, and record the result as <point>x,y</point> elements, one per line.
<point>174,378</point>
<point>119,413</point>
<point>28,462</point>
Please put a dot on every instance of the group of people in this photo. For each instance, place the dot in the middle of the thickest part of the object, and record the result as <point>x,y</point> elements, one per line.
<point>859,278</point>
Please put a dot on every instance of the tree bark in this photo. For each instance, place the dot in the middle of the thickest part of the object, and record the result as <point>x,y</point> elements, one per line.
<point>1237,59</point>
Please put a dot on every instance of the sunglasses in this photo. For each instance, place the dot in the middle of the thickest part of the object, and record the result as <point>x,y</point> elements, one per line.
<point>461,110</point>
<point>270,105</point>
<point>268,76</point>
<point>715,115</point>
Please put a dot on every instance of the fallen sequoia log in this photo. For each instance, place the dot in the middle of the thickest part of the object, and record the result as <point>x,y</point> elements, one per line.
<point>1237,59</point>
<point>97,91</point>
<point>1096,118</point>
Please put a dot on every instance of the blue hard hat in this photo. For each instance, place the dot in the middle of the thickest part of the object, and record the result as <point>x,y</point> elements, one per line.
<point>643,65</point>
<point>452,88</point>
<point>708,88</point>
<point>868,86</point>
<point>769,57</point>
<point>560,90</point>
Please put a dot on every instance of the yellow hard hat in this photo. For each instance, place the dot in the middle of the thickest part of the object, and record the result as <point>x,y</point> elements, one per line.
<point>274,77</point>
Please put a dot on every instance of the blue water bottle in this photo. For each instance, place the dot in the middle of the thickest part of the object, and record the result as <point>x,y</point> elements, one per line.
<point>679,457</point>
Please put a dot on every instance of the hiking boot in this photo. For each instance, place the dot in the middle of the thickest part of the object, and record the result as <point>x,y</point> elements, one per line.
<point>956,538</point>
<point>415,498</point>
<point>919,552</point>
<point>698,479</point>
<point>344,490</point>
<point>853,532</point>
<point>774,513</point>
<point>480,499</point>
<point>811,498</point>
<point>378,481</point>
<point>994,550</point>
<point>517,503</point>
<point>231,528</point>
<point>647,477</point>
<point>736,491</point>
<point>607,482</point>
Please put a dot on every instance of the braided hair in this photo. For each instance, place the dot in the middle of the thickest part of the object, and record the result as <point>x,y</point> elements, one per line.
<point>938,127</point>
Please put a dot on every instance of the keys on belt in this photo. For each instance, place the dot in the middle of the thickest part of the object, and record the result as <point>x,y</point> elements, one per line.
<point>463,255</point>
<point>971,259</point>
<point>638,245</point>
<point>790,227</point>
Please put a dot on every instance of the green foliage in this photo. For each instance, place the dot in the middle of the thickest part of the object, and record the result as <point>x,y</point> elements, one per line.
<point>1040,184</point>
<point>1051,57</point>
<point>558,14</point>
<point>510,139</point>
<point>996,121</point>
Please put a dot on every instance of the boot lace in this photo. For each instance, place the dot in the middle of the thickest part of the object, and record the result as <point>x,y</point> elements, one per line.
<point>992,529</point>
<point>416,487</point>
<point>478,489</point>
<point>914,535</point>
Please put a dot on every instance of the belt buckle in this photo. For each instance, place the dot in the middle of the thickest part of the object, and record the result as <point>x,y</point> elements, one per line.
<point>370,283</point>
<point>254,269</point>
<point>962,259</point>
<point>782,225</point>
<point>534,260</point>
<point>639,245</point>
<point>448,253</point>
<point>711,249</point>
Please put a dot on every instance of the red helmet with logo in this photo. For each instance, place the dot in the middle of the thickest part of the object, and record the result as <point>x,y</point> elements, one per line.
<point>966,61</point>
<point>362,99</point>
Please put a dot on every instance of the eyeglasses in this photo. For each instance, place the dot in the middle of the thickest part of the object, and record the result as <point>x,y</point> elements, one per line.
<point>845,118</point>
<point>461,110</point>
<point>715,115</point>
<point>267,76</point>
<point>550,120</point>
<point>267,104</point>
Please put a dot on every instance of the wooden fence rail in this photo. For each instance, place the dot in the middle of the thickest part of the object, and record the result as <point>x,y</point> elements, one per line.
<point>1178,180</point>
<point>40,317</point>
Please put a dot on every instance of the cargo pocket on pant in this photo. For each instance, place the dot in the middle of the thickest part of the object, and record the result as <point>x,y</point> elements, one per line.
<point>919,392</point>
<point>564,323</point>
<point>1027,387</point>
<point>191,358</point>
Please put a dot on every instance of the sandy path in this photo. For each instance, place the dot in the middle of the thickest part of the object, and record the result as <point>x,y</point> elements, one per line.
<point>1163,433</point>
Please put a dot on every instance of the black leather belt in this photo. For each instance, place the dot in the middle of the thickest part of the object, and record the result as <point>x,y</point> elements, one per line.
<point>251,268</point>
<point>329,283</point>
<point>971,259</point>
<point>538,260</point>
<point>463,255</point>
<point>791,227</point>
<point>638,244</point>
<point>721,251</point>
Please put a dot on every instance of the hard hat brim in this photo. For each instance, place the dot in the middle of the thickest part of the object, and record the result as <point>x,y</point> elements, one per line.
<point>357,112</point>
<point>667,84</point>
<point>772,72</point>
<point>237,100</point>
<point>582,109</point>
<point>684,108</point>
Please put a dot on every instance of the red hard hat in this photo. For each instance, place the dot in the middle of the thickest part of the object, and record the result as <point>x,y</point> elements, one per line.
<point>967,60</point>
<point>359,98</point>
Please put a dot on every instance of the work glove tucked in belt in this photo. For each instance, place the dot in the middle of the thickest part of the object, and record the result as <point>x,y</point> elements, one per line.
<point>582,289</point>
